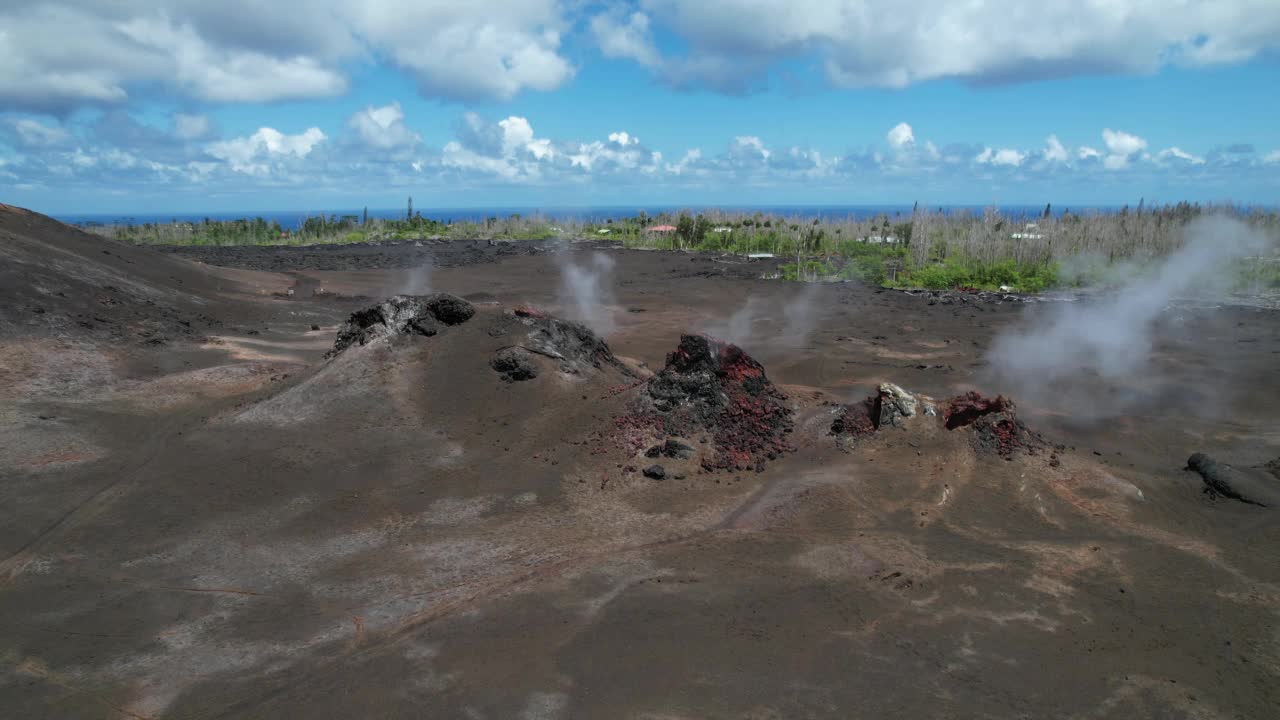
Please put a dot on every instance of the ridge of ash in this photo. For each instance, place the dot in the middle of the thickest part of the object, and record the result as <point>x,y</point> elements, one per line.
<point>713,387</point>
<point>995,422</point>
<point>402,315</point>
<point>572,344</point>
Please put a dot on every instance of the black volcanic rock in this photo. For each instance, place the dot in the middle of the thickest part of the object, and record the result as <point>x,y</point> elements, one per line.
<point>402,315</point>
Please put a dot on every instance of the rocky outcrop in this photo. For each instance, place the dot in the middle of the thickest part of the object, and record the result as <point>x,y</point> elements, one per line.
<point>423,315</point>
<point>715,388</point>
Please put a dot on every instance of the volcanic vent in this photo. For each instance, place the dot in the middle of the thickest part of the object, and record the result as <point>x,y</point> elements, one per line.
<point>714,389</point>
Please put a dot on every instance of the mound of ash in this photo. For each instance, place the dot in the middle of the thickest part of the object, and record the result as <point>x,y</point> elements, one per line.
<point>573,345</point>
<point>514,365</point>
<point>402,315</point>
<point>715,388</point>
<point>995,422</point>
<point>890,406</point>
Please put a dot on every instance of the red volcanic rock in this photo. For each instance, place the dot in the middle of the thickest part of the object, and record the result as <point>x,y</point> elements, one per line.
<point>529,311</point>
<point>714,387</point>
<point>859,419</point>
<point>995,423</point>
<point>965,409</point>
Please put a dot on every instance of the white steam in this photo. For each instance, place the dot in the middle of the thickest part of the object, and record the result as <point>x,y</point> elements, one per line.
<point>586,292</point>
<point>1097,356</point>
<point>417,281</point>
<point>759,326</point>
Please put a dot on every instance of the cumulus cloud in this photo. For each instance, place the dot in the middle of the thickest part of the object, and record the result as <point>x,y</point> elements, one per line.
<point>510,150</point>
<point>55,57</point>
<point>1122,143</point>
<point>900,136</point>
<point>1121,146</point>
<point>620,35</point>
<point>1004,156</point>
<point>890,43</point>
<point>383,128</point>
<point>480,49</point>
<point>1179,154</point>
<point>1054,151</point>
<point>254,155</point>
<point>376,148</point>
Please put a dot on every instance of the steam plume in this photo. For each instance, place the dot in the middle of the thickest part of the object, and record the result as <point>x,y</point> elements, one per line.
<point>1095,355</point>
<point>586,292</point>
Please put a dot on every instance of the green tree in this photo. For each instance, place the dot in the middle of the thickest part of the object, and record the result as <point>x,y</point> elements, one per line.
<point>685,228</point>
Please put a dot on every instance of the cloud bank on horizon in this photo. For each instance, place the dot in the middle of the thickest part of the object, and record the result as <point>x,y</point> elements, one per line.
<point>134,99</point>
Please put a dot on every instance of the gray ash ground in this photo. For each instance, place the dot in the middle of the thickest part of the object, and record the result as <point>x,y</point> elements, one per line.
<point>230,525</point>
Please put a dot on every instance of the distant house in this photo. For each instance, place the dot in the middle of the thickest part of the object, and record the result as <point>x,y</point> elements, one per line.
<point>1030,232</point>
<point>880,239</point>
<point>663,228</point>
<point>721,229</point>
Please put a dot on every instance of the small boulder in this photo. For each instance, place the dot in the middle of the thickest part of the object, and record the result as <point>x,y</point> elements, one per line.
<point>655,472</point>
<point>678,449</point>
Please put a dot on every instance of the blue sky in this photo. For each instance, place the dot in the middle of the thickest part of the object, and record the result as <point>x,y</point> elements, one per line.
<point>190,106</point>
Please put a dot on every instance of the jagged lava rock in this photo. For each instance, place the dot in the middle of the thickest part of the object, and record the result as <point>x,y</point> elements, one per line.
<point>890,406</point>
<point>996,425</point>
<point>715,387</point>
<point>402,315</point>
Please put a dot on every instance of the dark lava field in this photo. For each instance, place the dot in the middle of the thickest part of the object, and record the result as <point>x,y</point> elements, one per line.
<point>494,480</point>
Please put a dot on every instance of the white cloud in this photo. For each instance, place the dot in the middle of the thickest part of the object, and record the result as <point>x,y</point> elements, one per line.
<point>115,151</point>
<point>383,127</point>
<point>1178,153</point>
<point>254,155</point>
<point>55,57</point>
<point>1121,146</point>
<point>625,37</point>
<point>895,43</point>
<point>479,49</point>
<point>748,149</point>
<point>191,127</point>
<point>1004,156</point>
<point>35,134</point>
<point>1122,143</point>
<point>900,136</point>
<point>686,163</point>
<point>1054,151</point>
<point>623,139</point>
